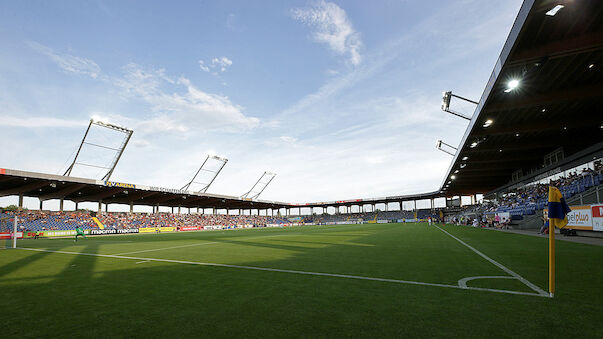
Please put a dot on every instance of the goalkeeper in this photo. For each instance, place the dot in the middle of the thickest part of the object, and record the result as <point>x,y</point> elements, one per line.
<point>78,232</point>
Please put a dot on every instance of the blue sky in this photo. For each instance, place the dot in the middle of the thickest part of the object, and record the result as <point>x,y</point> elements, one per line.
<point>341,99</point>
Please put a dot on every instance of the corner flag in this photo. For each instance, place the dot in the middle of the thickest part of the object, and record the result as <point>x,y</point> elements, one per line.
<point>558,210</point>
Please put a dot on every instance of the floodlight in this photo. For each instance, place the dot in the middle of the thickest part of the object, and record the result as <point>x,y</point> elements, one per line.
<point>446,96</point>
<point>439,147</point>
<point>453,177</point>
<point>554,10</point>
<point>488,123</point>
<point>473,144</point>
<point>511,85</point>
<point>259,186</point>
<point>465,158</point>
<point>94,120</point>
<point>213,173</point>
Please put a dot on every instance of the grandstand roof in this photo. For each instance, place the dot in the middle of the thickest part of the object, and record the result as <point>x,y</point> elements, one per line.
<point>558,61</point>
<point>48,186</point>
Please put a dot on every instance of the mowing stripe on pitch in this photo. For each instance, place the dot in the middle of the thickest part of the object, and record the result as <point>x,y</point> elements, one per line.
<point>167,248</point>
<point>497,264</point>
<point>255,268</point>
<point>190,245</point>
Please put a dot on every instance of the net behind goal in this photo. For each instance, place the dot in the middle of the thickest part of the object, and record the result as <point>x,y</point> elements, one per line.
<point>8,232</point>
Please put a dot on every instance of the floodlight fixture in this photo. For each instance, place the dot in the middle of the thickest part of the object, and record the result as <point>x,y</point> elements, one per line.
<point>554,10</point>
<point>465,158</point>
<point>439,147</point>
<point>453,177</point>
<point>119,150</point>
<point>511,85</point>
<point>488,123</point>
<point>214,173</point>
<point>447,97</point>
<point>259,186</point>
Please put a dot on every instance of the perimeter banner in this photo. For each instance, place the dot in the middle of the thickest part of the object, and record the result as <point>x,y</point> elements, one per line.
<point>149,230</point>
<point>587,217</point>
<point>6,235</point>
<point>190,228</point>
<point>597,214</point>
<point>156,229</point>
<point>50,234</point>
<point>113,231</point>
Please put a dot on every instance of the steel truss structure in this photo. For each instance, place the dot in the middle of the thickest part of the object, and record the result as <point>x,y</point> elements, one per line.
<point>439,147</point>
<point>118,151</point>
<point>447,96</point>
<point>215,173</point>
<point>259,186</point>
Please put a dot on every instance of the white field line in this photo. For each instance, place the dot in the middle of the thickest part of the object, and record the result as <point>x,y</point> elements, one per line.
<point>168,248</point>
<point>463,282</point>
<point>289,271</point>
<point>497,264</point>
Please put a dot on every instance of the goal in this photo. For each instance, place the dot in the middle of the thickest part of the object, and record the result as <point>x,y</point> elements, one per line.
<point>8,232</point>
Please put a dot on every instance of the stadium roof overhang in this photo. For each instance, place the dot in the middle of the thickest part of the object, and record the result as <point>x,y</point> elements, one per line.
<point>48,186</point>
<point>558,61</point>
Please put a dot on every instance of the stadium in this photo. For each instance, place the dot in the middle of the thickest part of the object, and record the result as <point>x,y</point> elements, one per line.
<point>473,258</point>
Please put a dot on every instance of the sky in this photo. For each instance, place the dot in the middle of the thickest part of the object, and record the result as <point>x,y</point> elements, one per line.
<point>340,99</point>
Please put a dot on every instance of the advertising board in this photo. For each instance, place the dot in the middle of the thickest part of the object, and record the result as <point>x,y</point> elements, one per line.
<point>113,231</point>
<point>597,217</point>
<point>148,230</point>
<point>7,235</point>
<point>580,218</point>
<point>189,228</point>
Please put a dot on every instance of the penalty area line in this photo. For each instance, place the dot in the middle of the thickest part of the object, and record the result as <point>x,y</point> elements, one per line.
<point>499,265</point>
<point>268,269</point>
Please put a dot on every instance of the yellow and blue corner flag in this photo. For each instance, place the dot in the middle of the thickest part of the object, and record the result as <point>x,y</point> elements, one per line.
<point>558,209</point>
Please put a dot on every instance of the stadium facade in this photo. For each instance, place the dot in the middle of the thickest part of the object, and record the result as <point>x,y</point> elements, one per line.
<point>539,115</point>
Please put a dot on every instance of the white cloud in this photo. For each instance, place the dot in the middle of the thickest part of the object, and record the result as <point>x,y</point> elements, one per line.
<point>288,139</point>
<point>203,66</point>
<point>332,27</point>
<point>140,143</point>
<point>69,63</point>
<point>182,111</point>
<point>40,122</point>
<point>222,63</point>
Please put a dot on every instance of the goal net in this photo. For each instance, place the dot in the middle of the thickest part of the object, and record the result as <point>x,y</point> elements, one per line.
<point>9,232</point>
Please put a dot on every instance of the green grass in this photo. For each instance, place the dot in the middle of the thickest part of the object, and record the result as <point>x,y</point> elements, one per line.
<point>46,294</point>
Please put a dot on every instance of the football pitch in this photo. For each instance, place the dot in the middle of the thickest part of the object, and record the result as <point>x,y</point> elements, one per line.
<point>371,280</point>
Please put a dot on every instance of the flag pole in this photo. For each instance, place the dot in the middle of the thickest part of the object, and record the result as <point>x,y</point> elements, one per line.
<point>551,259</point>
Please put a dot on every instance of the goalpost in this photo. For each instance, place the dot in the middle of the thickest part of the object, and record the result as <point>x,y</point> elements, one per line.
<point>8,232</point>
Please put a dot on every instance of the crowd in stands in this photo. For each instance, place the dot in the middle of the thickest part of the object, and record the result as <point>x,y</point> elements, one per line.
<point>390,216</point>
<point>47,220</point>
<point>35,220</point>
<point>528,200</point>
<point>139,220</point>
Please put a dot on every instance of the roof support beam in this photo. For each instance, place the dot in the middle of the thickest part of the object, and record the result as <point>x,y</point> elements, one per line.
<point>99,196</point>
<point>62,193</point>
<point>559,48</point>
<point>572,94</point>
<point>23,189</point>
